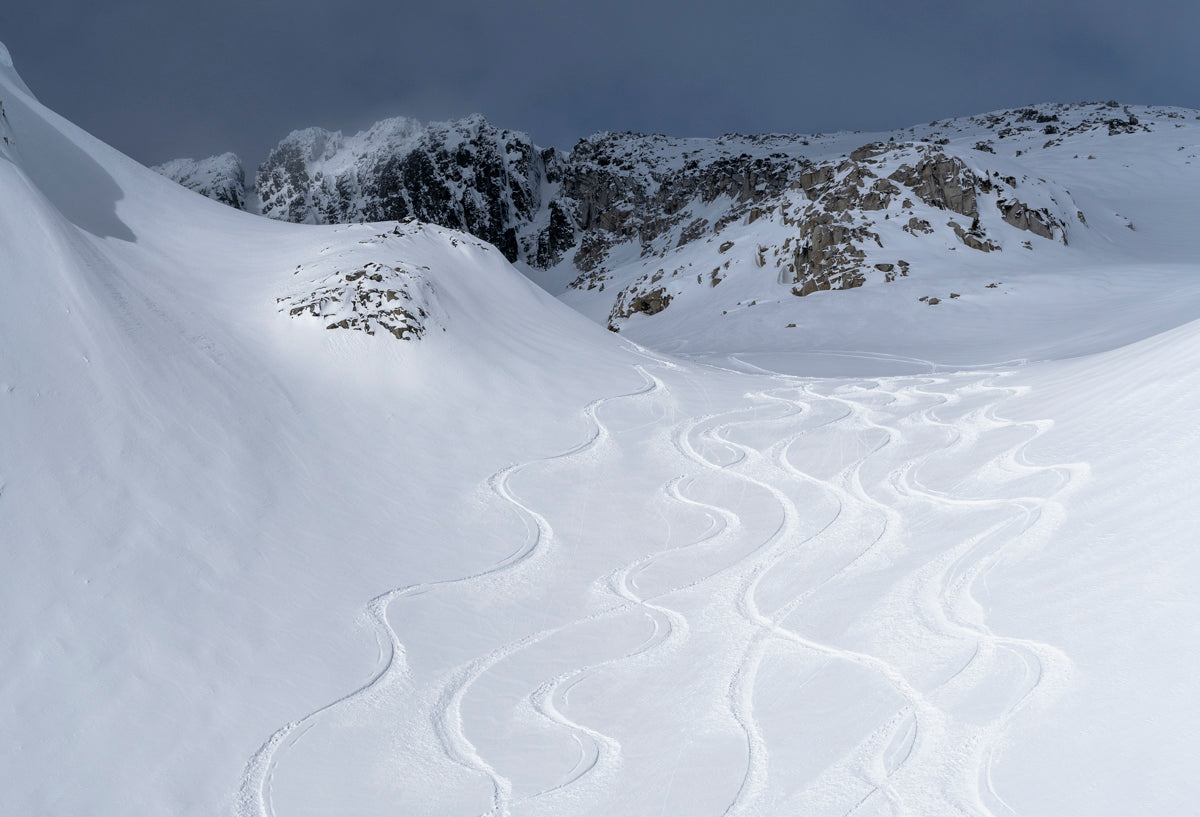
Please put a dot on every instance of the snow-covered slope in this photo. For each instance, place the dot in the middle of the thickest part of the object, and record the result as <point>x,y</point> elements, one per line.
<point>199,490</point>
<point>303,520</point>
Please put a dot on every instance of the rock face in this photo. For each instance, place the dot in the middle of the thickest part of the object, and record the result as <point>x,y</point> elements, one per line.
<point>465,175</point>
<point>221,178</point>
<point>941,182</point>
<point>632,301</point>
<point>640,222</point>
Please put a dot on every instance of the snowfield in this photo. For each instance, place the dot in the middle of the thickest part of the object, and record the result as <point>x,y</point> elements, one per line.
<point>263,557</point>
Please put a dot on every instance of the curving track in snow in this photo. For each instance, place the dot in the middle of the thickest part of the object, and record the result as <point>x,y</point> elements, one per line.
<point>254,794</point>
<point>848,524</point>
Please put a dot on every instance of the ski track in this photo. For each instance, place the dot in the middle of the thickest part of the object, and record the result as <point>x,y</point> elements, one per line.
<point>920,736</point>
<point>957,572</point>
<point>741,686</point>
<point>254,793</point>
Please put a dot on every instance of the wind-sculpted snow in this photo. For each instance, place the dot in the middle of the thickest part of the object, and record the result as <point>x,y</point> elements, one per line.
<point>817,533</point>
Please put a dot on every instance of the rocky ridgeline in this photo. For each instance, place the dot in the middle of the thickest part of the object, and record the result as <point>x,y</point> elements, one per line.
<point>815,225</point>
<point>221,178</point>
<point>465,175</point>
<point>642,220</point>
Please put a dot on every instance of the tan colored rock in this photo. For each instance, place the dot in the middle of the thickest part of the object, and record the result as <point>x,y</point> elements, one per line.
<point>941,181</point>
<point>1038,222</point>
<point>917,225</point>
<point>974,238</point>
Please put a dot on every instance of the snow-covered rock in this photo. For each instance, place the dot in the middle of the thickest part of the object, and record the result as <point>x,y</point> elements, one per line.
<point>221,178</point>
<point>466,175</point>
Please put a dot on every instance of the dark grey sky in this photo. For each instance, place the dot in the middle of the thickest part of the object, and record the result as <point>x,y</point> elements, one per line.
<point>164,79</point>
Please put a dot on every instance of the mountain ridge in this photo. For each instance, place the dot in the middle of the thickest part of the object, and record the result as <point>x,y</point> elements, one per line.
<point>620,223</point>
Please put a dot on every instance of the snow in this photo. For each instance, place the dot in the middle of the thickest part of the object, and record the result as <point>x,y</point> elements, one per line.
<point>217,177</point>
<point>925,560</point>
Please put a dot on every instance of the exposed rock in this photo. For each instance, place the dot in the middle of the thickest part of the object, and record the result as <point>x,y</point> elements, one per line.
<point>558,236</point>
<point>7,140</point>
<point>868,151</point>
<point>220,178</point>
<point>372,298</point>
<point>1039,222</point>
<point>631,301</point>
<point>941,181</point>
<point>973,238</point>
<point>918,225</point>
<point>466,175</point>
<point>693,231</point>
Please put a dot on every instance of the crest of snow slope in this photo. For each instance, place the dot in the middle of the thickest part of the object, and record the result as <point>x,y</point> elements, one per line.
<point>597,588</point>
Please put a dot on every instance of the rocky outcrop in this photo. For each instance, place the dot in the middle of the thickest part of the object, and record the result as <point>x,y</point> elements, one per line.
<point>373,298</point>
<point>633,300</point>
<point>1039,222</point>
<point>355,294</point>
<point>974,237</point>
<point>942,182</point>
<point>221,178</point>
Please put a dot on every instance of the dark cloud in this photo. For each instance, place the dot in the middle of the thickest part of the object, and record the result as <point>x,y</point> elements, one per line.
<point>160,80</point>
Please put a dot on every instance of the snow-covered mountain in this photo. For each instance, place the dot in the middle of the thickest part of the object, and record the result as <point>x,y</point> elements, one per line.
<point>626,224</point>
<point>220,178</point>
<point>355,519</point>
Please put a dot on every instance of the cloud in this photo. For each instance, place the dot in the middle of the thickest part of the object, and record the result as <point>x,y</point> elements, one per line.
<point>160,79</point>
